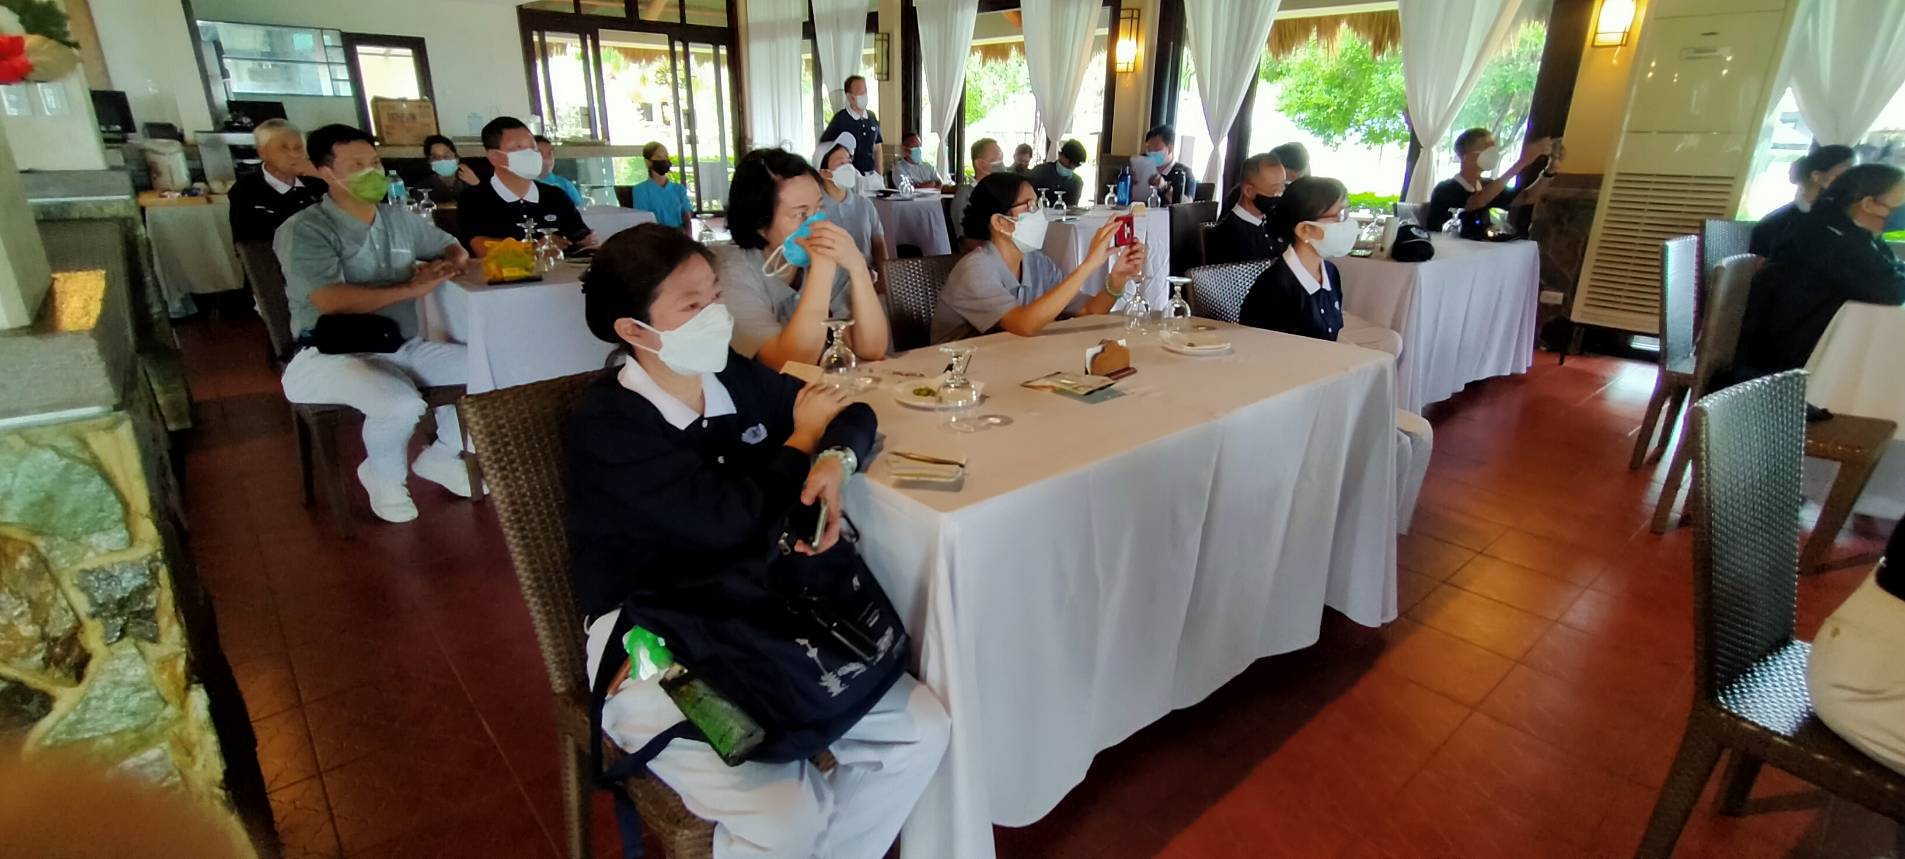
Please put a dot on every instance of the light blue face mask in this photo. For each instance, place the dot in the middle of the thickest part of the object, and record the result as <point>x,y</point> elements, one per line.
<point>793,255</point>
<point>916,153</point>
<point>1063,170</point>
<point>1157,157</point>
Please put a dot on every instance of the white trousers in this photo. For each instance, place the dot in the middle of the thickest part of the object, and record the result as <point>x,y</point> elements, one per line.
<point>1856,673</point>
<point>1358,331</point>
<point>384,388</point>
<point>790,811</point>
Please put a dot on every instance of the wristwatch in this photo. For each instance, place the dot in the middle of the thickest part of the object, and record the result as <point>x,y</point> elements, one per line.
<point>849,463</point>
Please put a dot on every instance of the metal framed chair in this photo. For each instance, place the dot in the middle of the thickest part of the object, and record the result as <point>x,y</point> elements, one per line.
<point>317,425</point>
<point>1218,291</point>
<point>521,430</point>
<point>1187,226</point>
<point>1749,672</point>
<point>912,293</point>
<point>1678,285</point>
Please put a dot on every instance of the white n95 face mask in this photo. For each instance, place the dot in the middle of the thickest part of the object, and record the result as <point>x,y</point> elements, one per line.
<point>845,177</point>
<point>699,345</point>
<point>1339,238</point>
<point>526,163</point>
<point>1489,159</point>
<point>1029,232</point>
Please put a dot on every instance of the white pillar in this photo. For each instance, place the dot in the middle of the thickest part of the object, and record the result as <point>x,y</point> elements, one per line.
<point>24,274</point>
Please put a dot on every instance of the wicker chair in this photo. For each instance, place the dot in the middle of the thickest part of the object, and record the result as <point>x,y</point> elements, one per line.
<point>1678,283</point>
<point>521,431</point>
<point>1218,291</point>
<point>1856,444</point>
<point>1187,224</point>
<point>1720,239</point>
<point>1719,339</point>
<point>912,291</point>
<point>1749,672</point>
<point>317,425</point>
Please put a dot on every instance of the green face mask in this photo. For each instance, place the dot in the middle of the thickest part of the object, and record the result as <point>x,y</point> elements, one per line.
<point>369,185</point>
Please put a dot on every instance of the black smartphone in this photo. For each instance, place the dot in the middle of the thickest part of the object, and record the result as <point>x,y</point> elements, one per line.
<point>808,522</point>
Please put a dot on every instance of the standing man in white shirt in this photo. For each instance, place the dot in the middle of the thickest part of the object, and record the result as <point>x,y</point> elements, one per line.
<point>856,120</point>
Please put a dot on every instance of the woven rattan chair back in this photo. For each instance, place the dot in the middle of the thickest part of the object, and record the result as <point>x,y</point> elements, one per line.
<point>912,291</point>
<point>1218,291</point>
<point>1720,239</point>
<point>1750,440</point>
<point>1721,318</point>
<point>520,432</point>
<point>267,288</point>
<point>1679,283</point>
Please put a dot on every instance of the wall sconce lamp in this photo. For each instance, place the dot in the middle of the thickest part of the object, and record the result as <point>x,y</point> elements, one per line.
<point>1126,57</point>
<point>1612,24</point>
<point>882,56</point>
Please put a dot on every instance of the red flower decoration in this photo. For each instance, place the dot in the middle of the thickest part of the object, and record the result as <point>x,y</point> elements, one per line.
<point>14,66</point>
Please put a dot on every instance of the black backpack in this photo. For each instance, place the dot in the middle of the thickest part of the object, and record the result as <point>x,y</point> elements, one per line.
<point>1412,245</point>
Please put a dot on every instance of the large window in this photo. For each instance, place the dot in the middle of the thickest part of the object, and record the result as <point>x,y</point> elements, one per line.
<point>999,102</point>
<point>386,67</point>
<point>1771,186</point>
<point>264,60</point>
<point>664,73</point>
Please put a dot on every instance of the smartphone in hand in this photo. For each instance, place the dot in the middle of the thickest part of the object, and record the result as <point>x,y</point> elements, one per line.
<point>808,522</point>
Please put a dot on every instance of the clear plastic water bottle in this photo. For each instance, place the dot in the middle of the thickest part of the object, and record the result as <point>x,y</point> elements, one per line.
<point>397,193</point>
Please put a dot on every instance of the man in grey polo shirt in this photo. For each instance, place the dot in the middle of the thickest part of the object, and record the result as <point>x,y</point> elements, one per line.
<point>353,254</point>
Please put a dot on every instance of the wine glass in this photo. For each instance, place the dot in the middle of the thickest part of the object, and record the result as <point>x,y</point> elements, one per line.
<point>1177,314</point>
<point>1137,309</point>
<point>528,226</point>
<point>958,396</point>
<point>838,363</point>
<point>1110,200</point>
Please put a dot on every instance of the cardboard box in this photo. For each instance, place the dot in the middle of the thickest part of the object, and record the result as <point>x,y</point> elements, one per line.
<point>403,121</point>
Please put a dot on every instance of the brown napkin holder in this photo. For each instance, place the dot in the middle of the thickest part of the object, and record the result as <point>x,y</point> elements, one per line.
<point>1112,359</point>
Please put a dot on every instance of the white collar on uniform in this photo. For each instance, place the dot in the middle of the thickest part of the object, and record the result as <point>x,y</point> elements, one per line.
<point>509,196</point>
<point>858,115</point>
<point>1302,273</point>
<point>1253,220</point>
<point>280,187</point>
<point>714,396</point>
<point>1466,187</point>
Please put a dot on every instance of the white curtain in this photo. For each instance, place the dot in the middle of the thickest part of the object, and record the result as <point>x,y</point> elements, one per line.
<point>777,110</point>
<point>945,40</point>
<point>1445,46</point>
<point>840,28</point>
<point>1847,61</point>
<point>1058,36</point>
<point>1227,38</point>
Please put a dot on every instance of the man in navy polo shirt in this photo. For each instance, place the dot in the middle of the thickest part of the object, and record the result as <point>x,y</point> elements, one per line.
<point>856,120</point>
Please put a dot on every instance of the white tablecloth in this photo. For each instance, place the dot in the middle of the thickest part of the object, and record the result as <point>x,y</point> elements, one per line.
<point>1067,241</point>
<point>1108,563</point>
<point>516,333</point>
<point>609,220</point>
<point>192,251</point>
<point>920,221</point>
<point>1465,315</point>
<point>1855,370</point>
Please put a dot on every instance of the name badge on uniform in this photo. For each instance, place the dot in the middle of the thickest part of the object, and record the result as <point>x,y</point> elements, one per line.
<point>754,434</point>
<point>549,217</point>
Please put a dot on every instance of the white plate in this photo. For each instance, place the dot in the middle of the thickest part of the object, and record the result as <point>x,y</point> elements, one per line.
<point>903,393</point>
<point>1195,346</point>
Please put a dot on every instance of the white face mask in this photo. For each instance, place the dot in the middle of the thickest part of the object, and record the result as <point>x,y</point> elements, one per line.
<point>845,177</point>
<point>1800,202</point>
<point>1028,231</point>
<point>859,102</point>
<point>526,163</point>
<point>1339,238</point>
<point>699,345</point>
<point>1489,159</point>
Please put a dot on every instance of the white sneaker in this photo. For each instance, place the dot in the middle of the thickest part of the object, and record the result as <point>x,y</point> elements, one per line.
<point>389,499</point>
<point>444,469</point>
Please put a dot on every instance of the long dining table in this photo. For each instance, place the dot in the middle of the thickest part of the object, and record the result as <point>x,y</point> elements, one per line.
<point>1108,562</point>
<point>1854,370</point>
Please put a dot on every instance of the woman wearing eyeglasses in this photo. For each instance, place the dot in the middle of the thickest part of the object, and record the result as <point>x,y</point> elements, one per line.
<point>1301,292</point>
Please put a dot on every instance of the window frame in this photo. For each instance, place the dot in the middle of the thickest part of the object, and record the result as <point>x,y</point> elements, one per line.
<point>415,44</point>
<point>530,22</point>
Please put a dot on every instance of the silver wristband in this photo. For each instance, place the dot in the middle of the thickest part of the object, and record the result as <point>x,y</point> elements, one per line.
<point>849,463</point>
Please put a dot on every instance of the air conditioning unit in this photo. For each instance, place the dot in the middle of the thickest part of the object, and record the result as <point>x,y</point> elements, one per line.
<point>1703,77</point>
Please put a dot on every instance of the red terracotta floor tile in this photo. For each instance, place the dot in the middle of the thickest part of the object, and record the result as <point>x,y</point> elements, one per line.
<point>1441,662</point>
<point>284,749</point>
<point>1499,627</point>
<point>1411,588</point>
<point>1557,792</point>
<point>1460,529</point>
<point>1561,559</point>
<point>304,824</point>
<point>1611,731</point>
<point>1610,667</point>
<point>1529,590</point>
<point>1428,556</point>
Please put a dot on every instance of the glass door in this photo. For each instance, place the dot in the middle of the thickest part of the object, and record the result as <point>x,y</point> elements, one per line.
<point>386,67</point>
<point>706,92</point>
